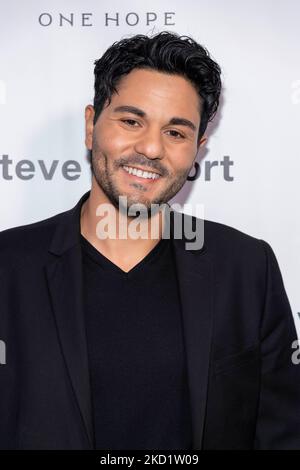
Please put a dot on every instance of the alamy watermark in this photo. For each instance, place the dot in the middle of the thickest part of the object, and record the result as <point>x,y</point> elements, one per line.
<point>2,352</point>
<point>296,354</point>
<point>295,93</point>
<point>139,221</point>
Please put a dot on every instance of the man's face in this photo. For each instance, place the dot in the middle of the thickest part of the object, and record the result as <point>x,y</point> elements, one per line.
<point>148,142</point>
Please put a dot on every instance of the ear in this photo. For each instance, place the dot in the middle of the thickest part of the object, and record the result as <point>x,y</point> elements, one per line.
<point>202,141</point>
<point>89,126</point>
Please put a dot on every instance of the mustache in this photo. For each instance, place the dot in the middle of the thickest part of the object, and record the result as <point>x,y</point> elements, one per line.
<point>142,162</point>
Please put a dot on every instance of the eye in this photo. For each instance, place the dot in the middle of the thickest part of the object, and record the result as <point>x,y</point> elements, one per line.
<point>129,120</point>
<point>178,133</point>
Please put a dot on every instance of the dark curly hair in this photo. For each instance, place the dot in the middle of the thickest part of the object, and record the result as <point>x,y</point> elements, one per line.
<point>165,52</point>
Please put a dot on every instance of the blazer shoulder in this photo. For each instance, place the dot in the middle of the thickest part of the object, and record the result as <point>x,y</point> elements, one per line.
<point>233,242</point>
<point>226,239</point>
<point>228,232</point>
<point>240,252</point>
<point>27,240</point>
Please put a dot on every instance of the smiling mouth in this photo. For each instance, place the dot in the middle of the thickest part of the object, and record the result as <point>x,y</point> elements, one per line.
<point>144,175</point>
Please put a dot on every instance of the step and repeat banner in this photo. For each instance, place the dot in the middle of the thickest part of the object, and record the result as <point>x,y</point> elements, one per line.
<point>251,164</point>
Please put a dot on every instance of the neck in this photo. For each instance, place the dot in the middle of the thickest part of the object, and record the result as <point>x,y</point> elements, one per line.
<point>117,236</point>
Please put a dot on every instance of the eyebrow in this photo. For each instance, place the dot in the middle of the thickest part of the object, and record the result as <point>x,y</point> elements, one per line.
<point>179,121</point>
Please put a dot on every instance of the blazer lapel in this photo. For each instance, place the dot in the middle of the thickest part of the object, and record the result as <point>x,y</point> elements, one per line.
<point>64,276</point>
<point>194,273</point>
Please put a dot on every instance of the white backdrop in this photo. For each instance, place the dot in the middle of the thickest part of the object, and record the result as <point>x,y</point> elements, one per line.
<point>46,79</point>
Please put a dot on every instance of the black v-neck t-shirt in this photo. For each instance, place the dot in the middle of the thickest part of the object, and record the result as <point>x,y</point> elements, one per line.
<point>136,352</point>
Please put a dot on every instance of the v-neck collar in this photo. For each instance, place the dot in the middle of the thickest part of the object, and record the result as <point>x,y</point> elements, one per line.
<point>109,266</point>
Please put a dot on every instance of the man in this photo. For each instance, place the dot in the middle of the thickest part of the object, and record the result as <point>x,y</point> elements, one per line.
<point>126,342</point>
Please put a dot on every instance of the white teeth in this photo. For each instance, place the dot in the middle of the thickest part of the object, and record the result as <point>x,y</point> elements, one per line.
<point>140,173</point>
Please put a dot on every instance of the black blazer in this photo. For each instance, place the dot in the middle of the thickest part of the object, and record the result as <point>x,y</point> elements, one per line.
<point>238,330</point>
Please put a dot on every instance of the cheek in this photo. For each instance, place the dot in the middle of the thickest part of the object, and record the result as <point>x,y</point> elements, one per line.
<point>181,161</point>
<point>111,142</point>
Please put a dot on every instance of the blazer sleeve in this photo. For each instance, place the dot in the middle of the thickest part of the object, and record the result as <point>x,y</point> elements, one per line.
<point>278,418</point>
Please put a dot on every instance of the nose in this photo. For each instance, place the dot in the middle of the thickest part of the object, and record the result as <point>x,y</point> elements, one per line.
<point>150,144</point>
